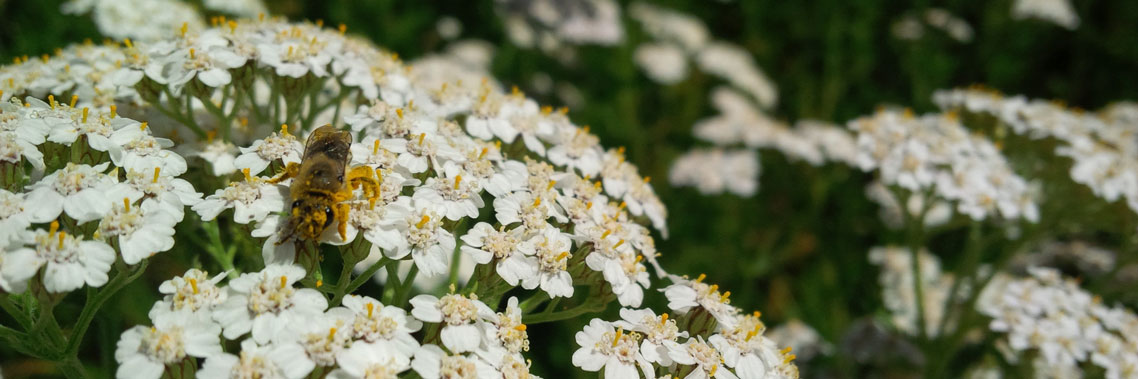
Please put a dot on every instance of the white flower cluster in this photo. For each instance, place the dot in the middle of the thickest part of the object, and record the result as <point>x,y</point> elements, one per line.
<point>740,122</point>
<point>152,20</point>
<point>110,193</point>
<point>553,24</point>
<point>1058,12</point>
<point>287,332</point>
<point>897,288</point>
<point>457,166</point>
<point>801,339</point>
<point>1101,145</point>
<point>894,216</point>
<point>679,37</point>
<point>935,154</point>
<point>1088,258</point>
<point>732,346</point>
<point>1067,326</point>
<point>910,27</point>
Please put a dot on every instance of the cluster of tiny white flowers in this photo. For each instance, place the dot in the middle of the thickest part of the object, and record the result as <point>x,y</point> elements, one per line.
<point>641,341</point>
<point>1088,258</point>
<point>741,122</point>
<point>442,141</point>
<point>1064,324</point>
<point>151,20</point>
<point>897,288</point>
<point>1101,145</point>
<point>106,199</point>
<point>936,154</point>
<point>911,27</point>
<point>552,25</point>
<point>679,38</point>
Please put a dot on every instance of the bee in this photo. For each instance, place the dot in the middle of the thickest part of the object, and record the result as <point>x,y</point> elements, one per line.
<point>322,182</point>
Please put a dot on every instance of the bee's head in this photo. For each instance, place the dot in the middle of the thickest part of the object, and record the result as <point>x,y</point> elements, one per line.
<point>310,217</point>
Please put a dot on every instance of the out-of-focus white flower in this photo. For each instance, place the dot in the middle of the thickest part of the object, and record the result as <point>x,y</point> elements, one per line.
<point>734,64</point>
<point>663,63</point>
<point>896,281</point>
<point>1058,12</point>
<point>802,339</point>
<point>144,352</point>
<point>549,23</point>
<point>1064,324</point>
<point>448,27</point>
<point>671,26</point>
<point>243,8</point>
<point>717,170</point>
<point>145,20</point>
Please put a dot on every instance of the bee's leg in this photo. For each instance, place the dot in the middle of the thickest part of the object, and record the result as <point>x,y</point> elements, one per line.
<point>341,213</point>
<point>364,176</point>
<point>290,171</point>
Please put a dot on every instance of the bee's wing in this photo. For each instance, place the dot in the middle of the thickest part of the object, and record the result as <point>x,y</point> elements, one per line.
<point>330,141</point>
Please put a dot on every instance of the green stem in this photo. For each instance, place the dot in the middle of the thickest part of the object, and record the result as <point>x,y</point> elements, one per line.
<point>916,242</point>
<point>15,311</point>
<point>72,367</point>
<point>121,279</point>
<point>342,283</point>
<point>586,307</point>
<point>528,305</point>
<point>971,259</point>
<point>217,250</point>
<point>367,274</point>
<point>405,287</point>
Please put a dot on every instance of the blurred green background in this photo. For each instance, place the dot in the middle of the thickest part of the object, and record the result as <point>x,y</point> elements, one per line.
<point>798,249</point>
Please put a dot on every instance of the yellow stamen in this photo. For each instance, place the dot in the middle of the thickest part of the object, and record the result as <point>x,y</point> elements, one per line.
<point>74,99</point>
<point>126,204</point>
<point>144,125</point>
<point>114,111</point>
<point>639,258</point>
<point>284,281</point>
<point>128,44</point>
<point>622,205</point>
<point>750,335</point>
<point>563,255</point>
<point>193,284</point>
<point>785,350</point>
<point>616,338</point>
<point>284,129</point>
<point>483,153</point>
<point>725,297</point>
<point>245,171</point>
<point>647,179</point>
<point>618,243</point>
<point>589,205</point>
<point>185,28</point>
<point>457,181</point>
<point>663,318</point>
<point>157,171</point>
<point>421,136</point>
<point>62,234</point>
<point>319,23</point>
<point>85,111</point>
<point>210,135</point>
<point>232,26</point>
<point>244,122</point>
<point>606,233</point>
<point>343,28</point>
<point>45,58</point>
<point>53,228</point>
<point>260,17</point>
<point>369,307</point>
<point>537,201</point>
<point>551,184</point>
<point>700,278</point>
<point>375,147</point>
<point>520,327</point>
<point>331,333</point>
<point>423,221</point>
<point>546,109</point>
<point>756,314</point>
<point>399,112</point>
<point>713,370</point>
<point>713,289</point>
<point>50,100</point>
<point>788,358</point>
<point>371,203</point>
